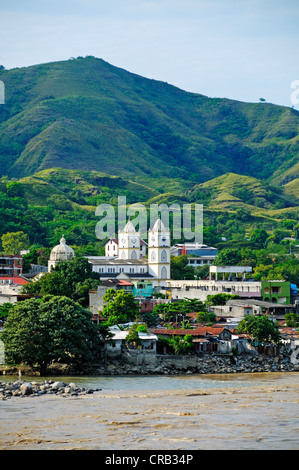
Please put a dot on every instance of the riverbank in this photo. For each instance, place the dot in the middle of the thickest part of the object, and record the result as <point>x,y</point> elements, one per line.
<point>170,365</point>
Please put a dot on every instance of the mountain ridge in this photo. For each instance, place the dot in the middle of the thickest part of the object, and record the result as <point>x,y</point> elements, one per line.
<point>85,114</point>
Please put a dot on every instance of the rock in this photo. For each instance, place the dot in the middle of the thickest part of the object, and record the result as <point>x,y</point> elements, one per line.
<point>26,388</point>
<point>57,385</point>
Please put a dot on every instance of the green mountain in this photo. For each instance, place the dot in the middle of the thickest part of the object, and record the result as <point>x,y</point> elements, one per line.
<point>85,114</point>
<point>79,133</point>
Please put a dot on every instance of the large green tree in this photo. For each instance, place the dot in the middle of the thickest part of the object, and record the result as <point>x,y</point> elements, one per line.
<point>72,278</point>
<point>38,332</point>
<point>14,242</point>
<point>260,327</point>
<point>120,307</point>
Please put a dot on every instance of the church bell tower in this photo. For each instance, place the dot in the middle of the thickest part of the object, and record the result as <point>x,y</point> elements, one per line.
<point>159,251</point>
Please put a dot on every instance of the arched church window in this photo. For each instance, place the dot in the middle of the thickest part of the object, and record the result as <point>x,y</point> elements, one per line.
<point>163,273</point>
<point>164,256</point>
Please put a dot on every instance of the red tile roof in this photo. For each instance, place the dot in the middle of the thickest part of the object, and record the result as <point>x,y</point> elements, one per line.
<point>200,331</point>
<point>124,283</point>
<point>15,280</point>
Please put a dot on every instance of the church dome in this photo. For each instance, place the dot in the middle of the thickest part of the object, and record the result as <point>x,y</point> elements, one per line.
<point>62,252</point>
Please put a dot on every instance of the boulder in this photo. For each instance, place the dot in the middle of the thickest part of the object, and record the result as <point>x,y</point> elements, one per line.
<point>26,388</point>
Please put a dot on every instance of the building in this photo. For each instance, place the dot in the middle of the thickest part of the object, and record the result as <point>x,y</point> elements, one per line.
<point>276,291</point>
<point>117,344</point>
<point>200,289</point>
<point>142,291</point>
<point>11,265</point>
<point>61,252</point>
<point>11,292</point>
<point>232,271</point>
<point>130,263</point>
<point>237,308</point>
<point>204,338</point>
<point>197,254</point>
<point>111,248</point>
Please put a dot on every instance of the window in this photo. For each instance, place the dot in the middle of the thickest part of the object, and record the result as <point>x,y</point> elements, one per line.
<point>163,273</point>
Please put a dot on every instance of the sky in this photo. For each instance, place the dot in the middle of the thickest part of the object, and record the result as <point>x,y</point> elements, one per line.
<point>238,49</point>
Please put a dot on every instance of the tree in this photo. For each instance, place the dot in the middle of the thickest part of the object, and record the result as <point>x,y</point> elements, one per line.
<point>132,336</point>
<point>259,236</point>
<point>220,299</point>
<point>292,320</point>
<point>181,345</point>
<point>40,331</point>
<point>14,189</point>
<point>36,255</point>
<point>72,279</point>
<point>5,309</point>
<point>120,307</point>
<point>14,242</point>
<point>260,328</point>
<point>228,257</point>
<point>205,317</point>
<point>180,269</point>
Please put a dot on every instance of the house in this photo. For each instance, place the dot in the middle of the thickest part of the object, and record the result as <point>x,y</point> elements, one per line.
<point>237,308</point>
<point>205,338</point>
<point>117,344</point>
<point>142,289</point>
<point>276,291</point>
<point>10,289</point>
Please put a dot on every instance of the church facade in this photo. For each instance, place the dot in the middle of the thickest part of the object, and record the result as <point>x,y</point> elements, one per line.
<point>128,258</point>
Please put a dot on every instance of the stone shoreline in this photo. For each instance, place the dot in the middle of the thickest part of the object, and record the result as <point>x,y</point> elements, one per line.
<point>212,364</point>
<point>164,365</point>
<point>34,388</point>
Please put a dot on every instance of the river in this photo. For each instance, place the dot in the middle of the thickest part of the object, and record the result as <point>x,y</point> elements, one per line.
<point>257,411</point>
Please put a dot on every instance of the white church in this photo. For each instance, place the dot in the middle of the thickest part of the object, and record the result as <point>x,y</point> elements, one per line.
<point>126,256</point>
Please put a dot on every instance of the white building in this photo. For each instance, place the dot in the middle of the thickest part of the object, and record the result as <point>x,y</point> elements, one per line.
<point>130,261</point>
<point>111,248</point>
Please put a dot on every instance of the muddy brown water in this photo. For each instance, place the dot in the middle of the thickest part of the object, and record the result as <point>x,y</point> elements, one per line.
<point>213,412</point>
